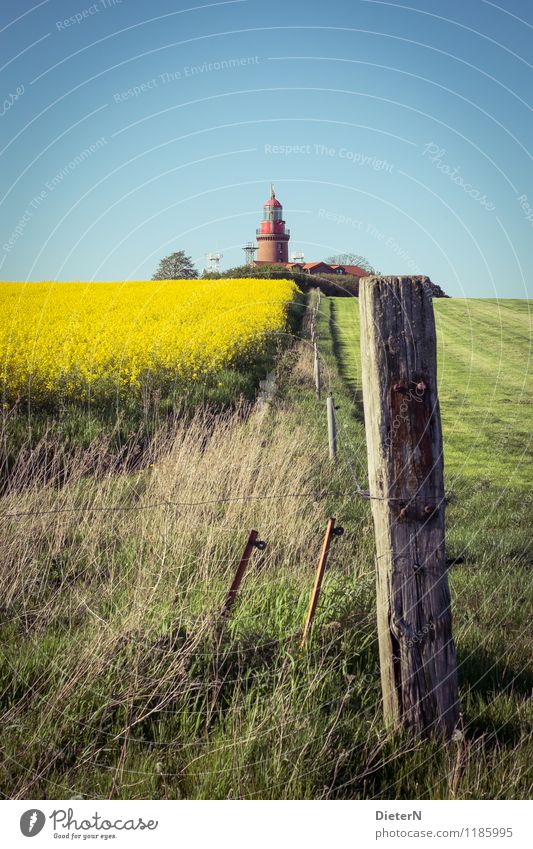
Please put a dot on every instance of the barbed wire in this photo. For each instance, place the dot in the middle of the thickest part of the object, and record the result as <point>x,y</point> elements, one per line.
<point>132,507</point>
<point>404,500</point>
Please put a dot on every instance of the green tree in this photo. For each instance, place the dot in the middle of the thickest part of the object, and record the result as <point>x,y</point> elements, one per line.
<point>255,271</point>
<point>351,259</point>
<point>176,266</point>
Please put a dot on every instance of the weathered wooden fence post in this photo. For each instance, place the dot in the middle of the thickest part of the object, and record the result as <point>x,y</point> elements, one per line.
<point>316,370</point>
<point>405,466</point>
<point>332,427</point>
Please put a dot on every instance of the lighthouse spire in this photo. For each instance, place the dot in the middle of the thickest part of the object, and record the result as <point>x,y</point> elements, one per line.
<point>272,192</point>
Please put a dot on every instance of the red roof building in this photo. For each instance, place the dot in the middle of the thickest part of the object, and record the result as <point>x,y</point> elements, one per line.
<point>318,268</point>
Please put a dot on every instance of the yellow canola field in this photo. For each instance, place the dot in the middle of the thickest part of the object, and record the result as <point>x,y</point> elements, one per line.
<point>72,338</point>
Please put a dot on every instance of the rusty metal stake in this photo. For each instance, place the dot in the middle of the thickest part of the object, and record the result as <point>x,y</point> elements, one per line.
<point>252,543</point>
<point>318,581</point>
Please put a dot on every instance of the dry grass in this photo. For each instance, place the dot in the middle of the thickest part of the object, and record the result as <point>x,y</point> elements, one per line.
<point>112,583</point>
<point>119,679</point>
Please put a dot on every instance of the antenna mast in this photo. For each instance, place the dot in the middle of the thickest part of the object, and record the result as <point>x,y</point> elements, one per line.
<point>213,261</point>
<point>249,252</point>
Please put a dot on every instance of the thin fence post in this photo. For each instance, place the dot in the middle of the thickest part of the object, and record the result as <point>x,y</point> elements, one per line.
<point>332,427</point>
<point>252,543</point>
<point>318,581</point>
<point>405,472</point>
<point>317,371</point>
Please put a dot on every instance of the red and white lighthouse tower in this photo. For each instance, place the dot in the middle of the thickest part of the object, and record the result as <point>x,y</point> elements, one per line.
<point>272,237</point>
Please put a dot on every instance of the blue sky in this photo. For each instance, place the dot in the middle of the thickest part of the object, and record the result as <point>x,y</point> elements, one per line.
<point>400,132</point>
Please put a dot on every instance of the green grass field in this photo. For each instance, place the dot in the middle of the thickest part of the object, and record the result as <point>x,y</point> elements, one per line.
<point>486,398</point>
<point>118,679</point>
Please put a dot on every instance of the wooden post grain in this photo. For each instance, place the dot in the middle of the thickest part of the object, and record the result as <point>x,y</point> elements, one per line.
<point>332,427</point>
<point>405,467</point>
<point>323,559</point>
<point>317,370</point>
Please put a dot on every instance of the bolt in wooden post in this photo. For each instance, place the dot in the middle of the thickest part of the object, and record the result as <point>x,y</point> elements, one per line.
<point>405,468</point>
<point>239,574</point>
<point>318,581</point>
<point>317,371</point>
<point>332,427</point>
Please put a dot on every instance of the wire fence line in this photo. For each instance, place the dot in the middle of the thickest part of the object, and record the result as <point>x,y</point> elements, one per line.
<point>211,501</point>
<point>357,491</point>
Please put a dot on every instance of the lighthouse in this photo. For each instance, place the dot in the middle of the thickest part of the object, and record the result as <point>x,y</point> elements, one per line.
<point>272,237</point>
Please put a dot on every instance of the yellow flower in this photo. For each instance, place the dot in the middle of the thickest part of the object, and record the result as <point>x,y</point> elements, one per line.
<point>82,339</point>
